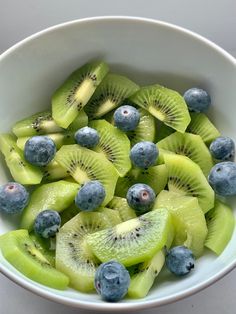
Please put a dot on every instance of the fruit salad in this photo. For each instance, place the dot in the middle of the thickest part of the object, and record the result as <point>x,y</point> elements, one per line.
<point>114,183</point>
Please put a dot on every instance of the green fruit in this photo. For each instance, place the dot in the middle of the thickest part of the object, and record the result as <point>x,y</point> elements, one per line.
<point>120,205</point>
<point>44,246</point>
<point>111,214</point>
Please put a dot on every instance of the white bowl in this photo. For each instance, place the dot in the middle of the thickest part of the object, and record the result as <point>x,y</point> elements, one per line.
<point>148,51</point>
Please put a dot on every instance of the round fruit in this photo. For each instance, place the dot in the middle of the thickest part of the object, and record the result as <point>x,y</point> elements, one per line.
<point>141,198</point>
<point>144,154</point>
<point>223,148</point>
<point>90,196</point>
<point>126,118</point>
<point>39,150</point>
<point>112,281</point>
<point>47,223</point>
<point>180,260</point>
<point>222,178</point>
<point>87,137</point>
<point>197,99</point>
<point>13,198</point>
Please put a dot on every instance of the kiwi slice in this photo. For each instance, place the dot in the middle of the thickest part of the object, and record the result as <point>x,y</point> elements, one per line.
<point>20,251</point>
<point>109,95</point>
<point>189,145</point>
<point>114,144</point>
<point>132,241</point>
<point>20,169</point>
<point>155,177</point>
<point>120,205</point>
<point>111,214</point>
<point>165,104</point>
<point>73,256</point>
<point>186,177</point>
<point>221,224</point>
<point>54,171</point>
<point>201,125</point>
<point>56,195</point>
<point>76,91</point>
<point>144,276</point>
<point>44,246</point>
<point>84,165</point>
<point>188,219</point>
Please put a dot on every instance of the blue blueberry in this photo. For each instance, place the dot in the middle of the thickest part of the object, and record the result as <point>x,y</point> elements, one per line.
<point>180,260</point>
<point>126,118</point>
<point>223,149</point>
<point>197,99</point>
<point>39,150</point>
<point>141,198</point>
<point>47,223</point>
<point>87,137</point>
<point>13,198</point>
<point>112,281</point>
<point>90,196</point>
<point>144,154</point>
<point>222,178</point>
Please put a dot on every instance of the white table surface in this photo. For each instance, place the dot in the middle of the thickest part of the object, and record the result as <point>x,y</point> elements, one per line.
<point>213,19</point>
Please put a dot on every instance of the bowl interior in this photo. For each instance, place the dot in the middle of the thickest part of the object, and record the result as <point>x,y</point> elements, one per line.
<point>148,52</point>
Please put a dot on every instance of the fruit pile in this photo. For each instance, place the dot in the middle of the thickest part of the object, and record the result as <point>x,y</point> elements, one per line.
<point>124,180</point>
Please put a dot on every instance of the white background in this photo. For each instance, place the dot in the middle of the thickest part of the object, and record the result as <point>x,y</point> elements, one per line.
<point>214,19</point>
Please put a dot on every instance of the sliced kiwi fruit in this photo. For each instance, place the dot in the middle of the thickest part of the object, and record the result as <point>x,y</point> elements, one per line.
<point>112,215</point>
<point>189,145</point>
<point>120,205</point>
<point>85,165</point>
<point>20,251</point>
<point>188,219</point>
<point>20,169</point>
<point>75,92</point>
<point>54,171</point>
<point>109,95</point>
<point>144,235</point>
<point>73,256</point>
<point>155,177</point>
<point>164,104</point>
<point>44,246</point>
<point>144,276</point>
<point>114,144</point>
<point>201,125</point>
<point>186,177</point>
<point>221,224</point>
<point>56,195</point>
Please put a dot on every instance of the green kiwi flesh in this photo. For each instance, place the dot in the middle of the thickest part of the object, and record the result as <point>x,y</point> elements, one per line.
<point>144,276</point>
<point>20,169</point>
<point>120,205</point>
<point>73,255</point>
<point>114,144</point>
<point>56,195</point>
<point>201,125</point>
<point>44,246</point>
<point>20,251</point>
<point>144,235</point>
<point>189,145</point>
<point>188,220</point>
<point>221,224</point>
<point>111,214</point>
<point>75,92</point>
<point>164,104</point>
<point>54,171</point>
<point>113,90</point>
<point>85,165</point>
<point>186,177</point>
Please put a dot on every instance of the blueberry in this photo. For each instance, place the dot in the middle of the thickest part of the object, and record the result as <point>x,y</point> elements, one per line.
<point>13,198</point>
<point>126,118</point>
<point>222,178</point>
<point>112,281</point>
<point>180,260</point>
<point>144,154</point>
<point>141,198</point>
<point>87,137</point>
<point>39,150</point>
<point>47,223</point>
<point>90,196</point>
<point>223,149</point>
<point>197,100</point>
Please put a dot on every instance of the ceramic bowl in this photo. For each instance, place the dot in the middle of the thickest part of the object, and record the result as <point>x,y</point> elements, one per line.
<point>148,51</point>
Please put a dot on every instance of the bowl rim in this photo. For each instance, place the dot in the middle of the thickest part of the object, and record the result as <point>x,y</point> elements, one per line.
<point>50,295</point>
